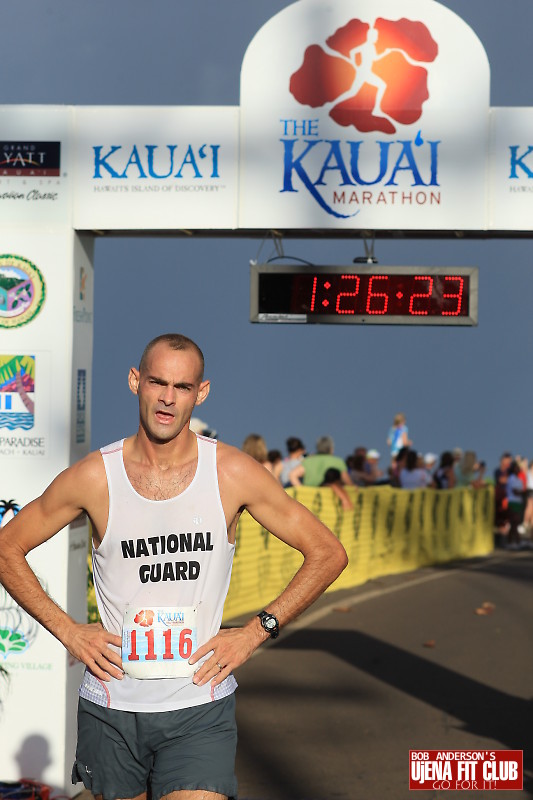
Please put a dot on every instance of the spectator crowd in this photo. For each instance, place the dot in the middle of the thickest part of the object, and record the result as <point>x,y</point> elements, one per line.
<point>407,469</point>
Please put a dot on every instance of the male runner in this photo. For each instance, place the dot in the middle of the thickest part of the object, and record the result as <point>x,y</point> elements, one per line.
<point>156,709</point>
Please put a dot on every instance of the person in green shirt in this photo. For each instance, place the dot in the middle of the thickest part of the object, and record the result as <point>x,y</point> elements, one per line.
<point>312,470</point>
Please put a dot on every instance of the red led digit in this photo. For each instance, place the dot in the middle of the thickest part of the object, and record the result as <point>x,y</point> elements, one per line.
<point>338,308</point>
<point>167,636</point>
<point>133,655</point>
<point>313,296</point>
<point>425,296</point>
<point>185,643</point>
<point>150,655</point>
<point>372,295</point>
<point>458,295</point>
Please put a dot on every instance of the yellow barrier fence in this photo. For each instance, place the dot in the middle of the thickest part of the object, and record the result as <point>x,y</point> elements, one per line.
<point>389,531</point>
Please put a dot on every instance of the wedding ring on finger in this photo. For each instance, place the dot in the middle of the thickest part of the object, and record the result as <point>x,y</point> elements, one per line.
<point>220,667</point>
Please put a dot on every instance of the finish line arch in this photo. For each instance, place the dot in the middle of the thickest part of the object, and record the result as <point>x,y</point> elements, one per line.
<point>353,158</point>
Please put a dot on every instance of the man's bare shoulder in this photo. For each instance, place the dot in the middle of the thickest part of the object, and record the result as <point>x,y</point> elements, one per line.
<point>81,487</point>
<point>85,478</point>
<point>88,469</point>
<point>232,462</point>
<point>244,476</point>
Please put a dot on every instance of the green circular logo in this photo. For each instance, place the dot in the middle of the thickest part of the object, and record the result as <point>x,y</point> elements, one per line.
<point>22,291</point>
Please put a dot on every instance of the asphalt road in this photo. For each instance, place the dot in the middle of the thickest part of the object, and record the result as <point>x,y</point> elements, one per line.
<point>331,709</point>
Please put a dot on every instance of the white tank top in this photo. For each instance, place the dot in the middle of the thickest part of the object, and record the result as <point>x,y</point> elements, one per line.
<point>165,567</point>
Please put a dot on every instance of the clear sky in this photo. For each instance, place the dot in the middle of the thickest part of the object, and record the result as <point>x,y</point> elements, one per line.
<point>470,387</point>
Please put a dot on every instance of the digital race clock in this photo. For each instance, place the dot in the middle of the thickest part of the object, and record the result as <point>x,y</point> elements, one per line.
<point>364,294</point>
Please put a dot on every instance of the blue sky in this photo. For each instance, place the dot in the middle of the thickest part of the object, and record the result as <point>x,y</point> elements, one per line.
<point>467,386</point>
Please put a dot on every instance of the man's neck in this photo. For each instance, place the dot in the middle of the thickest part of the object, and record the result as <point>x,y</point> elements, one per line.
<point>179,450</point>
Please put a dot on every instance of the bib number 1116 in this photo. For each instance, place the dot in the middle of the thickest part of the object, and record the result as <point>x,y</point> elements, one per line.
<point>169,645</point>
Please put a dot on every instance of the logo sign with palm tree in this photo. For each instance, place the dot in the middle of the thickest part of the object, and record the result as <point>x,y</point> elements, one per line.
<point>17,387</point>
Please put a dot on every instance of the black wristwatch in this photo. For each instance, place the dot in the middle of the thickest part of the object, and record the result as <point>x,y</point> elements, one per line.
<point>269,623</point>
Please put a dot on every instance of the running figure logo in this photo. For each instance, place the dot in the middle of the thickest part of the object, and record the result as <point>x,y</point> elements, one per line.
<point>368,77</point>
<point>144,618</point>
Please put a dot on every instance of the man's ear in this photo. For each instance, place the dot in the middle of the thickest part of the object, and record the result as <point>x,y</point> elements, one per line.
<point>203,391</point>
<point>133,380</point>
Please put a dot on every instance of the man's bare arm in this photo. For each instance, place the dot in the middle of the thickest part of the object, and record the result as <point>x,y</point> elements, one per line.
<point>35,524</point>
<point>343,496</point>
<point>324,560</point>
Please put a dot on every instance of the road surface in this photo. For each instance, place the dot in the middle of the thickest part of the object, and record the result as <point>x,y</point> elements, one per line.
<point>437,659</point>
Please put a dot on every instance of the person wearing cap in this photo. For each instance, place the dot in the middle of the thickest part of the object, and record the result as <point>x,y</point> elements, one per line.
<point>372,466</point>
<point>430,460</point>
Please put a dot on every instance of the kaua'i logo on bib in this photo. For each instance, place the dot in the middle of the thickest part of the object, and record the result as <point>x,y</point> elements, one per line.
<point>370,77</point>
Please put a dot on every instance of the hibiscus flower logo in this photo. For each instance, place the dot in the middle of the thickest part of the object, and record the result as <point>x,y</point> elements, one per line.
<point>144,618</point>
<point>371,77</point>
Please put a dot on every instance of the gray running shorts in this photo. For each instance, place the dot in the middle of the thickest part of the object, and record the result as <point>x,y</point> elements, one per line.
<point>122,753</point>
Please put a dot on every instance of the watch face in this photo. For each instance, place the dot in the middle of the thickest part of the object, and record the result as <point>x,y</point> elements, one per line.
<point>269,623</point>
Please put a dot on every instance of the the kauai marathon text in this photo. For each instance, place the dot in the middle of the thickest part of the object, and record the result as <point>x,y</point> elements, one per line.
<point>338,172</point>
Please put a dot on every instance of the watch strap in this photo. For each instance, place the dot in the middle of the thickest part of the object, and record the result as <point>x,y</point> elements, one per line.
<point>270,623</point>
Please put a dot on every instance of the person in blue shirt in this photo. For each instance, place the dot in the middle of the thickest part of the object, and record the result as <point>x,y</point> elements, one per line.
<point>398,436</point>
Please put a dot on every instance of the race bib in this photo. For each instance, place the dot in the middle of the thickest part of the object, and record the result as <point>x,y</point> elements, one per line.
<point>157,642</point>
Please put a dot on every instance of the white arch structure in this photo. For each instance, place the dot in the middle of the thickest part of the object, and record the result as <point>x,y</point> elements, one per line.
<point>437,160</point>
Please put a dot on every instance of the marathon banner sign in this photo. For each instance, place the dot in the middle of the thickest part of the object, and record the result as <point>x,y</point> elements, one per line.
<point>466,770</point>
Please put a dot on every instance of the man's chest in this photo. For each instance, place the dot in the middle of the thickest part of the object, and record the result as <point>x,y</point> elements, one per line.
<point>161,484</point>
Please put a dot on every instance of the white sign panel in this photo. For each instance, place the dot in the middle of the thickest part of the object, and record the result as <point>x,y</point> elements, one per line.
<point>34,165</point>
<point>373,115</point>
<point>46,339</point>
<point>156,168</point>
<point>35,319</point>
<point>511,169</point>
